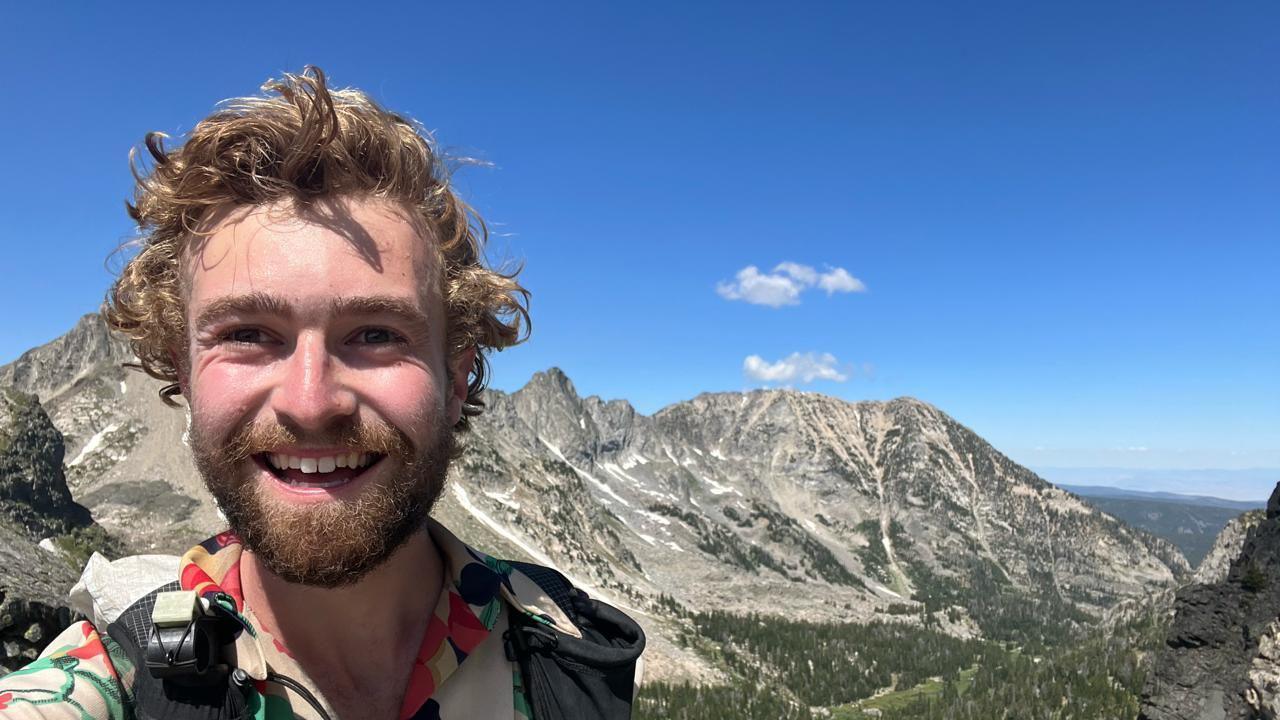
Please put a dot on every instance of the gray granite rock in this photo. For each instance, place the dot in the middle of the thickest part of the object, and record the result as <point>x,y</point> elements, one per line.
<point>1220,656</point>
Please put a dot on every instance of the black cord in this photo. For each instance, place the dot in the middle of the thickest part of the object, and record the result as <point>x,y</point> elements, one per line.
<point>297,687</point>
<point>171,655</point>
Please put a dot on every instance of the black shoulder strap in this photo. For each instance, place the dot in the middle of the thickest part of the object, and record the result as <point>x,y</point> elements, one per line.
<point>569,677</point>
<point>152,698</point>
<point>552,582</point>
<point>133,628</point>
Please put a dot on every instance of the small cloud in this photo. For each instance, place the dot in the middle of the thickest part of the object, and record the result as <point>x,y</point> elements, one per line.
<point>802,274</point>
<point>784,284</point>
<point>804,368</point>
<point>759,289</point>
<point>839,280</point>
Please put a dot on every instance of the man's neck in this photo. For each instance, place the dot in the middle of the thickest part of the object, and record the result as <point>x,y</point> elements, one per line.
<point>342,636</point>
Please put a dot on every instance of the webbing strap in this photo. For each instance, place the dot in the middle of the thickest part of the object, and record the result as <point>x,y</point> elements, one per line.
<point>553,583</point>
<point>136,620</point>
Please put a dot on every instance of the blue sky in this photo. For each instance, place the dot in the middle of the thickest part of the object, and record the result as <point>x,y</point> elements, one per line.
<point>1056,222</point>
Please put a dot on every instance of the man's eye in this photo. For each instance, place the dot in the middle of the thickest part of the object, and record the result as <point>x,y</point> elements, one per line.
<point>246,336</point>
<point>378,336</point>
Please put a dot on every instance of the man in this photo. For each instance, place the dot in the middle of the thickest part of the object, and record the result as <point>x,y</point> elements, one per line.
<point>312,286</point>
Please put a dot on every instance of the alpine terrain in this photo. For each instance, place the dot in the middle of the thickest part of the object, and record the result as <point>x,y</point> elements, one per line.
<point>776,506</point>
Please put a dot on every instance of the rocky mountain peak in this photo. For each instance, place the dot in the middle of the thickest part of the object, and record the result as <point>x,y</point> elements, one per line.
<point>551,381</point>
<point>52,368</point>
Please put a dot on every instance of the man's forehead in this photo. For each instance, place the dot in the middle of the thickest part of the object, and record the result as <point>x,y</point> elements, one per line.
<point>244,249</point>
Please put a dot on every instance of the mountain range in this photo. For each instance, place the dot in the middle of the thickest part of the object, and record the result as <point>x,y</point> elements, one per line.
<point>772,501</point>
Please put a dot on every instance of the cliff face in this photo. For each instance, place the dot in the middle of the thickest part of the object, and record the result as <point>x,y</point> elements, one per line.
<point>1226,548</point>
<point>1221,660</point>
<point>34,503</point>
<point>33,488</point>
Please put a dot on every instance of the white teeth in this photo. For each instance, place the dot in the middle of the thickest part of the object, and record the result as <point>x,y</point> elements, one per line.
<point>310,466</point>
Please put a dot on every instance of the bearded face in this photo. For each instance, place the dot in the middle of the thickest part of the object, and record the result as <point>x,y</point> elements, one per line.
<point>337,541</point>
<point>322,397</point>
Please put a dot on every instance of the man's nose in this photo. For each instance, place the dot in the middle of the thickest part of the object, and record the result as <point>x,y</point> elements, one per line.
<point>312,391</point>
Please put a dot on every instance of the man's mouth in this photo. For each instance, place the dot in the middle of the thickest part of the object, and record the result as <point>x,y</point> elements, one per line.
<point>317,472</point>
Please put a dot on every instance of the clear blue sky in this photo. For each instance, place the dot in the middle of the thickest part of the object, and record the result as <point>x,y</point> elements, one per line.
<point>1060,219</point>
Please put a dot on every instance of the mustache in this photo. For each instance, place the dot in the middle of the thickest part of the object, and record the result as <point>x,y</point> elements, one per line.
<point>370,436</point>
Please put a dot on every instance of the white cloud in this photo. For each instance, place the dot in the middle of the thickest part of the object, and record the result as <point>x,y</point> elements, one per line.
<point>802,274</point>
<point>760,289</point>
<point>784,284</point>
<point>805,368</point>
<point>839,280</point>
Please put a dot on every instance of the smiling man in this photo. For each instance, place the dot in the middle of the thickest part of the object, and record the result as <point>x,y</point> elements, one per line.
<point>311,285</point>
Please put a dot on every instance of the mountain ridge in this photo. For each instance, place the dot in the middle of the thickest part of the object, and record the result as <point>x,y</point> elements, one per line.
<point>849,510</point>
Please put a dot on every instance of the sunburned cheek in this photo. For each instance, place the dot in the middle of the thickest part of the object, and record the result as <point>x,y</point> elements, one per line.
<point>223,393</point>
<point>406,388</point>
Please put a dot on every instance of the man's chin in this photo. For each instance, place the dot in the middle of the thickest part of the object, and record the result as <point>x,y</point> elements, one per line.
<point>328,543</point>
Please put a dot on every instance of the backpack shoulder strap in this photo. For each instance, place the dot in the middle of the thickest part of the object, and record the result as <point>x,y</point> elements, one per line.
<point>154,698</point>
<point>553,583</point>
<point>568,677</point>
<point>133,628</point>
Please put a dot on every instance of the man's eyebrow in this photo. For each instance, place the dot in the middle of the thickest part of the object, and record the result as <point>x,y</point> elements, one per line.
<point>260,303</point>
<point>402,308</point>
<point>254,303</point>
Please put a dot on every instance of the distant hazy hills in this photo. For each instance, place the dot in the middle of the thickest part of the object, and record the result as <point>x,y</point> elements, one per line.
<point>1235,483</point>
<point>1189,521</point>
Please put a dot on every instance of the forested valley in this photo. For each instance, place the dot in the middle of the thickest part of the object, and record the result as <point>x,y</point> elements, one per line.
<point>795,670</point>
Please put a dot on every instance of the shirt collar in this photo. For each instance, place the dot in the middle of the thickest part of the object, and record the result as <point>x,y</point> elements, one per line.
<point>480,580</point>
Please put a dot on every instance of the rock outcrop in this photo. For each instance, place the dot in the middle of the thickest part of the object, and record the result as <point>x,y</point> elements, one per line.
<point>33,598</point>
<point>34,503</point>
<point>33,488</point>
<point>1221,660</point>
<point>1226,548</point>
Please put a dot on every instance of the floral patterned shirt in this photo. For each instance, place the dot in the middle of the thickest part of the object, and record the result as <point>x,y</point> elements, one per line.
<point>458,672</point>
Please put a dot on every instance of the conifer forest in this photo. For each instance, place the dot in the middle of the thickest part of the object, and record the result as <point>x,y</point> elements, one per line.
<point>794,670</point>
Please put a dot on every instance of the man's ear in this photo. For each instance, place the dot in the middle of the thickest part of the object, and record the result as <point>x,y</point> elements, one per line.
<point>460,372</point>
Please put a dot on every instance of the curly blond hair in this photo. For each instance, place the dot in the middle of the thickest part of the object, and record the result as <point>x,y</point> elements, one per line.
<point>303,142</point>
